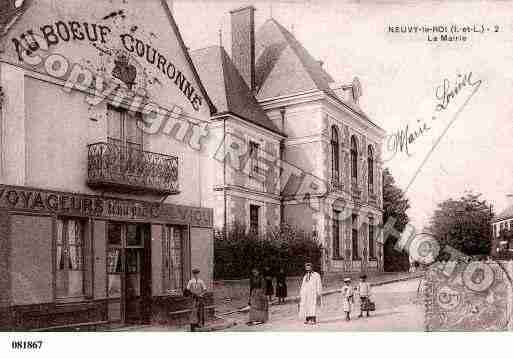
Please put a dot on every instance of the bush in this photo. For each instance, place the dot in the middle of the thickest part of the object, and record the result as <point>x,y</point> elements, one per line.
<point>236,252</point>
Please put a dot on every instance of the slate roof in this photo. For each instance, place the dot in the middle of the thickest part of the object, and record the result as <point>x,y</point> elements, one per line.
<point>284,67</point>
<point>226,87</point>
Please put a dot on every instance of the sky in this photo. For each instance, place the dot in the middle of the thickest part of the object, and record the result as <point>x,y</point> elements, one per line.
<point>467,146</point>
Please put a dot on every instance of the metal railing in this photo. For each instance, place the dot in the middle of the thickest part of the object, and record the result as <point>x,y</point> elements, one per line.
<point>128,168</point>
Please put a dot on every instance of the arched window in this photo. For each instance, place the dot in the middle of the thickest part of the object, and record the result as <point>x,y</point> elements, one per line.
<point>334,154</point>
<point>354,158</point>
<point>370,169</point>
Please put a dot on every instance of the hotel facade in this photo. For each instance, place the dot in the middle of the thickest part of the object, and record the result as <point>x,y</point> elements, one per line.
<point>101,222</point>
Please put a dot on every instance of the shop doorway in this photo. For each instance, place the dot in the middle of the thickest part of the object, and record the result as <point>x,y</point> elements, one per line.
<point>129,272</point>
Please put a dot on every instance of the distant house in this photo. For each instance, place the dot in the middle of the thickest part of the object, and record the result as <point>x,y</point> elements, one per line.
<point>501,223</point>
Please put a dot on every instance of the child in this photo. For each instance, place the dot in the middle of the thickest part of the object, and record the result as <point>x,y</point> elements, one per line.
<point>364,291</point>
<point>281,286</point>
<point>347,298</point>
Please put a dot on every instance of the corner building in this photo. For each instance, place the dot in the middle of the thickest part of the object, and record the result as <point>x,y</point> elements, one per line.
<point>101,221</point>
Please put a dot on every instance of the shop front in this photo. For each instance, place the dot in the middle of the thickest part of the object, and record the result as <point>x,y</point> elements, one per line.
<point>73,260</point>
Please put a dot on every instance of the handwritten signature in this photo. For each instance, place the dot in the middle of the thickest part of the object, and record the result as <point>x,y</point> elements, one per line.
<point>445,93</point>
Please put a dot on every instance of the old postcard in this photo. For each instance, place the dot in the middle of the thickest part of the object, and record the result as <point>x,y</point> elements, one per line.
<point>254,166</point>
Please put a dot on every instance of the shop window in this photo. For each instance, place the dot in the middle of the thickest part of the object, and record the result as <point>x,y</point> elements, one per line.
<point>354,232</point>
<point>70,258</point>
<point>174,244</point>
<point>114,260</point>
<point>336,234</point>
<point>254,218</point>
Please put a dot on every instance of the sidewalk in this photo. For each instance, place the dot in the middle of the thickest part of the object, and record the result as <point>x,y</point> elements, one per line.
<point>235,305</point>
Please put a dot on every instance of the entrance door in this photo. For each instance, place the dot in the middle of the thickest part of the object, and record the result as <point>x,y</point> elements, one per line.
<point>129,272</point>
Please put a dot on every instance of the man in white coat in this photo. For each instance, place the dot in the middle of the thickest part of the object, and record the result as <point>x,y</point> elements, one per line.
<point>310,295</point>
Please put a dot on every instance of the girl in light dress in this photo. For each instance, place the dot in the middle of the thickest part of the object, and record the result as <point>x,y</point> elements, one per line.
<point>347,298</point>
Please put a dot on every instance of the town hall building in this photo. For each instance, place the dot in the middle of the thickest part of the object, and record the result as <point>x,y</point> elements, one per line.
<point>279,104</point>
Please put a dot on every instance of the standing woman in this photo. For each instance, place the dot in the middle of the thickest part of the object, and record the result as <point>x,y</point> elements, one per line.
<point>196,287</point>
<point>259,306</point>
<point>268,277</point>
<point>310,295</point>
<point>281,285</point>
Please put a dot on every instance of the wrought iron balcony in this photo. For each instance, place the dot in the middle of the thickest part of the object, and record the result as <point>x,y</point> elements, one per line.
<point>128,169</point>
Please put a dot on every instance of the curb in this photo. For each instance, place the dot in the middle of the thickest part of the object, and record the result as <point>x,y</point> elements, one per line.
<point>295,299</point>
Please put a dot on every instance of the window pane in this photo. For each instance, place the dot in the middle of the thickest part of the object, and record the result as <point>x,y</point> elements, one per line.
<point>133,260</point>
<point>133,133</point>
<point>59,231</point>
<point>114,233</point>
<point>60,282</point>
<point>75,283</point>
<point>75,258</point>
<point>114,130</point>
<point>134,235</point>
<point>175,234</point>
<point>114,260</point>
<point>60,273</point>
<point>114,270</point>
<point>253,218</point>
<point>114,286</point>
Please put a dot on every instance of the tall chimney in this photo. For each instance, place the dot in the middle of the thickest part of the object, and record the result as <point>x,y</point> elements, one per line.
<point>243,43</point>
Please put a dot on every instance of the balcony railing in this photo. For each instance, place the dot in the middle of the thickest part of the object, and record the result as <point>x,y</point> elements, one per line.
<point>129,169</point>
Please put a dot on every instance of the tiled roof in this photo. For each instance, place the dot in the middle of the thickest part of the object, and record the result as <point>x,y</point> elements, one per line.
<point>285,67</point>
<point>506,214</point>
<point>226,87</point>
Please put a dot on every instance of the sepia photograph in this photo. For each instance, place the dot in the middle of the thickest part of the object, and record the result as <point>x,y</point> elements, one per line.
<point>292,166</point>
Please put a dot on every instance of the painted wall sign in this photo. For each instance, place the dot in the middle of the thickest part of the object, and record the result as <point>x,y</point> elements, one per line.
<point>128,47</point>
<point>75,204</point>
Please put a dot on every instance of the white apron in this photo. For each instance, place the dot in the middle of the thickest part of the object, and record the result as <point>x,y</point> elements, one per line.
<point>347,298</point>
<point>311,287</point>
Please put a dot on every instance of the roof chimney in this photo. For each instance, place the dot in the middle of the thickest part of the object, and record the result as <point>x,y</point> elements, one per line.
<point>243,43</point>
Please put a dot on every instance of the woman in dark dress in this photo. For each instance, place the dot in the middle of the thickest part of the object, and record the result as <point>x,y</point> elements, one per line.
<point>268,277</point>
<point>281,286</point>
<point>259,306</point>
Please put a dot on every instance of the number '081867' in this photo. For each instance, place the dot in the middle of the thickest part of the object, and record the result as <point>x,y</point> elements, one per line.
<point>26,345</point>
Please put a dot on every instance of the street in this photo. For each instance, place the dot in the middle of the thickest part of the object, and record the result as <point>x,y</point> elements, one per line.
<point>397,309</point>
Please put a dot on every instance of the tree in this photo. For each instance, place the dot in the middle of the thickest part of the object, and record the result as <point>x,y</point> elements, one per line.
<point>463,224</point>
<point>395,205</point>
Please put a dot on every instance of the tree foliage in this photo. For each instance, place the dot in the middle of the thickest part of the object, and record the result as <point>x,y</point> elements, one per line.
<point>463,224</point>
<point>237,251</point>
<point>395,206</point>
